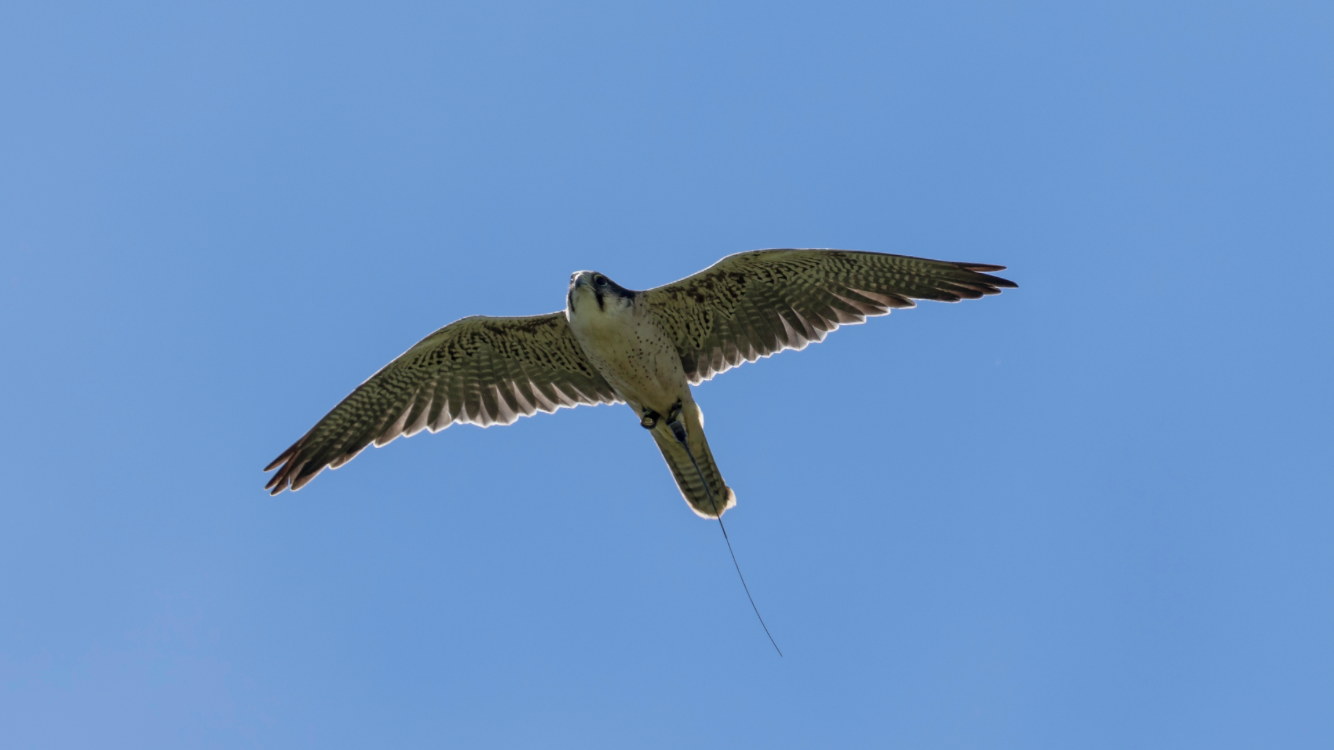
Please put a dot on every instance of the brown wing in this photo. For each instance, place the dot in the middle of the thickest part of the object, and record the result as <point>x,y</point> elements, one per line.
<point>480,370</point>
<point>754,304</point>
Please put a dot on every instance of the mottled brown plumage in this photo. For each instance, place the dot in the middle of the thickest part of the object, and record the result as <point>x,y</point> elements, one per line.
<point>755,304</point>
<point>477,370</point>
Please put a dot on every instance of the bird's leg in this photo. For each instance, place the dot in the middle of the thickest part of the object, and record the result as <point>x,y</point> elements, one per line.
<point>650,419</point>
<point>679,431</point>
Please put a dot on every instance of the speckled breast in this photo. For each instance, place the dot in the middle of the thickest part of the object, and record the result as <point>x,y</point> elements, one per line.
<point>635,355</point>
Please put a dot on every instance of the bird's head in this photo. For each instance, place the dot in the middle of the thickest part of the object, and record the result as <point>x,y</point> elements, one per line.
<point>590,292</point>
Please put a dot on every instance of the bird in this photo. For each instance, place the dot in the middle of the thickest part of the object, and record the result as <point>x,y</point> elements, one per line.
<point>645,349</point>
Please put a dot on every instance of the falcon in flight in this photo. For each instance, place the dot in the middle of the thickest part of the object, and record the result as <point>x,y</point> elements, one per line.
<point>645,349</point>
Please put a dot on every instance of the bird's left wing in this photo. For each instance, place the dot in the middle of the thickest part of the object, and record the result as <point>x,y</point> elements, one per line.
<point>755,304</point>
<point>481,370</point>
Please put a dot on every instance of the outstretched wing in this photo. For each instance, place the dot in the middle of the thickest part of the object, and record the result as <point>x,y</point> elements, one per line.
<point>754,304</point>
<point>480,370</point>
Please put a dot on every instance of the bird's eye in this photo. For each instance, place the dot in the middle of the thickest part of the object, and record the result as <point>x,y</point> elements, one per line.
<point>600,280</point>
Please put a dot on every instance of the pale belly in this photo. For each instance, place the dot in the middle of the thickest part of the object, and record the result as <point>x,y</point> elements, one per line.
<point>637,359</point>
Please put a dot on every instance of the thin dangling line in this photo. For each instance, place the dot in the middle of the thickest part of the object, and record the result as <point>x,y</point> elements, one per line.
<point>678,430</point>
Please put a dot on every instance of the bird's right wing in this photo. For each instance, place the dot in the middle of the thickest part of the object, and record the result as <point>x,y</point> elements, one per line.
<point>755,304</point>
<point>481,370</point>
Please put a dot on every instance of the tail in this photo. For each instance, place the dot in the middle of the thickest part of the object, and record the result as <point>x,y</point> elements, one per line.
<point>687,479</point>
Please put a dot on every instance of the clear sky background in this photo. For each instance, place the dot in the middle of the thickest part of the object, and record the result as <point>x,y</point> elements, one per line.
<point>1092,512</point>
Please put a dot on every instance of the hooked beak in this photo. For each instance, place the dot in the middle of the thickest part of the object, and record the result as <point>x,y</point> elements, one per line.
<point>576,281</point>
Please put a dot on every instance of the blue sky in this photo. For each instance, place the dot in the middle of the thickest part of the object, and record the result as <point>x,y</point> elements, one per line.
<point>1091,512</point>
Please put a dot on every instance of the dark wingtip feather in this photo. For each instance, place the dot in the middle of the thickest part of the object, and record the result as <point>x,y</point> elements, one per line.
<point>274,464</point>
<point>982,269</point>
<point>278,482</point>
<point>304,476</point>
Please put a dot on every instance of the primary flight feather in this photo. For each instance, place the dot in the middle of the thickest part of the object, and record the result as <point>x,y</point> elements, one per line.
<point>646,349</point>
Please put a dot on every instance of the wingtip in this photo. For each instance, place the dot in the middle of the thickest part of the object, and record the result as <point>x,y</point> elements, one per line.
<point>988,268</point>
<point>283,456</point>
<point>984,269</point>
